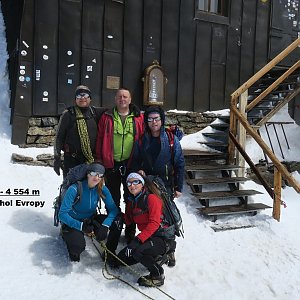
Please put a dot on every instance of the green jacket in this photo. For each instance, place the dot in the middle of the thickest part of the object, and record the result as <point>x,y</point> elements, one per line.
<point>123,136</point>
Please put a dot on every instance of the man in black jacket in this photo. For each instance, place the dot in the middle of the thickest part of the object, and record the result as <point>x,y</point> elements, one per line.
<point>76,133</point>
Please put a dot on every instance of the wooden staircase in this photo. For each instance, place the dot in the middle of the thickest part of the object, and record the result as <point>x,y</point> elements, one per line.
<point>252,105</point>
<point>205,170</point>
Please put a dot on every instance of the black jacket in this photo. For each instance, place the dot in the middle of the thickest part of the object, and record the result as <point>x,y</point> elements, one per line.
<point>67,138</point>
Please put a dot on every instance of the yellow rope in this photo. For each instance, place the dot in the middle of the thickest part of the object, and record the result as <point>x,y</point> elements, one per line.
<point>84,136</point>
<point>106,250</point>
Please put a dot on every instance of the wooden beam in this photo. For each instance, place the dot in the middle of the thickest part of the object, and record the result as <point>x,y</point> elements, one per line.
<point>278,107</point>
<point>252,166</point>
<point>273,86</point>
<point>266,68</point>
<point>277,195</point>
<point>291,180</point>
<point>242,134</point>
<point>232,129</point>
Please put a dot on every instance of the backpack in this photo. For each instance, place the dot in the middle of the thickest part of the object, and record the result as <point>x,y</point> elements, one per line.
<point>172,216</point>
<point>75,175</point>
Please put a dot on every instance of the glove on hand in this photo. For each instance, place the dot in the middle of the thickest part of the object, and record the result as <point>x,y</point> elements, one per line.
<point>132,246</point>
<point>101,233</point>
<point>57,165</point>
<point>87,226</point>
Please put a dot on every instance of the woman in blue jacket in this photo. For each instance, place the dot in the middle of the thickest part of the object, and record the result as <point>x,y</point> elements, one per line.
<point>80,217</point>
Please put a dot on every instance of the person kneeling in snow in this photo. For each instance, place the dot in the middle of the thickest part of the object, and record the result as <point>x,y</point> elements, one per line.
<point>79,217</point>
<point>145,209</point>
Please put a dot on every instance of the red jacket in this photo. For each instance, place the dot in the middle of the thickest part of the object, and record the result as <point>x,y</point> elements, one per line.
<point>104,143</point>
<point>147,216</point>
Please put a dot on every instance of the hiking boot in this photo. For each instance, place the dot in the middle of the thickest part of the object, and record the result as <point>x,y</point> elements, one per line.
<point>74,257</point>
<point>172,260</point>
<point>151,280</point>
<point>162,259</point>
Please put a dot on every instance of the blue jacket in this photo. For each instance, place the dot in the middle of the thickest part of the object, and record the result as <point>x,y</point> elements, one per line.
<point>73,214</point>
<point>171,174</point>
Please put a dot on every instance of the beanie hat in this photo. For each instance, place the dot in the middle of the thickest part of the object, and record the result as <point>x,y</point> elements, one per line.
<point>154,109</point>
<point>136,176</point>
<point>83,89</point>
<point>95,167</point>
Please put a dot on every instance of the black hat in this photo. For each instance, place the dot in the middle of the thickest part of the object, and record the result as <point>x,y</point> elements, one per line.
<point>83,89</point>
<point>96,167</point>
<point>154,109</point>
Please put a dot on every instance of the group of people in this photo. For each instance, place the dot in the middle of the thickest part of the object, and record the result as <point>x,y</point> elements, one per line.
<point>125,145</point>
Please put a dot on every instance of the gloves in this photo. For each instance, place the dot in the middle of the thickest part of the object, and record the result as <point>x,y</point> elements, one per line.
<point>101,233</point>
<point>57,164</point>
<point>87,226</point>
<point>132,246</point>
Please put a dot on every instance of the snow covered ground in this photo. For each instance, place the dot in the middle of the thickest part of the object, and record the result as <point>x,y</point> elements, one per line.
<point>261,262</point>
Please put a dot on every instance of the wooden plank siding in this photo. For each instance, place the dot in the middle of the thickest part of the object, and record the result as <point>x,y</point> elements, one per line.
<point>205,56</point>
<point>170,48</point>
<point>133,49</point>
<point>69,52</point>
<point>186,59</point>
<point>45,58</point>
<point>112,51</point>
<point>92,48</point>
<point>247,40</point>
<point>202,68</point>
<point>232,73</point>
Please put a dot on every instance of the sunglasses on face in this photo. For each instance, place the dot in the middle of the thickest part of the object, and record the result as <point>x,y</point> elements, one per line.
<point>92,173</point>
<point>156,119</point>
<point>82,95</point>
<point>134,182</point>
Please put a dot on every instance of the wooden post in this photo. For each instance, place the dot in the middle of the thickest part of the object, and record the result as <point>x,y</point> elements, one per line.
<point>232,129</point>
<point>242,134</point>
<point>277,195</point>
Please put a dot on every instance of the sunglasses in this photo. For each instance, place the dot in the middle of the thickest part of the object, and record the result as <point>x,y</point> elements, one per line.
<point>134,182</point>
<point>82,95</point>
<point>92,173</point>
<point>156,119</point>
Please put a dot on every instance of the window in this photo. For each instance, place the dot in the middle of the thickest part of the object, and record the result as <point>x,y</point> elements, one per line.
<point>219,7</point>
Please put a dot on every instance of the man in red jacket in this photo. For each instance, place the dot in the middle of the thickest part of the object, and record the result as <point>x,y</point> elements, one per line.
<point>118,129</point>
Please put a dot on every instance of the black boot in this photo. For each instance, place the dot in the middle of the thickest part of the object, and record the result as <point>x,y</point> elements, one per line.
<point>171,258</point>
<point>74,257</point>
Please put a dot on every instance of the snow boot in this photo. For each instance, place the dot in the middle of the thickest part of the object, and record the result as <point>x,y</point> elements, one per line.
<point>171,258</point>
<point>74,257</point>
<point>151,280</point>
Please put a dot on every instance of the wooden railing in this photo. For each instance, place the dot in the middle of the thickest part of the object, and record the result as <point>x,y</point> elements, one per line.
<point>239,125</point>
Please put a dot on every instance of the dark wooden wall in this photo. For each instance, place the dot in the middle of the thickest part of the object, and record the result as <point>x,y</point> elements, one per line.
<point>100,42</point>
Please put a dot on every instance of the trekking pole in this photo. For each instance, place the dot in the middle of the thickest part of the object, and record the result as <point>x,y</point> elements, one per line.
<point>106,250</point>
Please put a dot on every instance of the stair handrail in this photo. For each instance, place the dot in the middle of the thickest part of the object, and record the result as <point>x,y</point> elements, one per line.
<point>266,69</point>
<point>239,124</point>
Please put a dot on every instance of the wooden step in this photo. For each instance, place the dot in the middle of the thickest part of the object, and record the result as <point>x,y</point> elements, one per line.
<point>203,154</point>
<point>215,167</point>
<point>216,180</point>
<point>219,126</point>
<point>214,144</point>
<point>233,209</point>
<point>216,134</point>
<point>225,194</point>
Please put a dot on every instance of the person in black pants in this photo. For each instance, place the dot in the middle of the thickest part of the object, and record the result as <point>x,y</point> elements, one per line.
<point>76,132</point>
<point>79,218</point>
<point>145,209</point>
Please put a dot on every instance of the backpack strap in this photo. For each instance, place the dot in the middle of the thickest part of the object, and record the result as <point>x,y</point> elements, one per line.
<point>79,192</point>
<point>170,135</point>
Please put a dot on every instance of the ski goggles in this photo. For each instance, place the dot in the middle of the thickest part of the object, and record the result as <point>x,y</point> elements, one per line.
<point>156,119</point>
<point>82,95</point>
<point>134,182</point>
<point>92,173</point>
